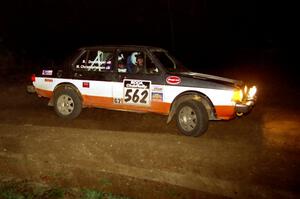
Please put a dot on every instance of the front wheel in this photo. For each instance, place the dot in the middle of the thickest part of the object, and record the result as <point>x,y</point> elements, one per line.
<point>192,118</point>
<point>67,103</point>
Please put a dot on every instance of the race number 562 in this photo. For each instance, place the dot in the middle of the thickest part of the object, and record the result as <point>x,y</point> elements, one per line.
<point>136,92</point>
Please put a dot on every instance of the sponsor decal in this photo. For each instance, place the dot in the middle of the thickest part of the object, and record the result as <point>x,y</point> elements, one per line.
<point>173,80</point>
<point>86,84</point>
<point>47,72</point>
<point>136,84</point>
<point>157,97</point>
<point>136,92</point>
<point>157,89</point>
<point>48,80</point>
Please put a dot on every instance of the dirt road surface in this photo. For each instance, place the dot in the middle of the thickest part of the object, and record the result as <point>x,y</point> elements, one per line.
<point>138,155</point>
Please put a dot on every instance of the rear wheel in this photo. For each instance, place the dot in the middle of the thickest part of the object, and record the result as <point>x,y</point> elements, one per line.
<point>67,103</point>
<point>192,118</point>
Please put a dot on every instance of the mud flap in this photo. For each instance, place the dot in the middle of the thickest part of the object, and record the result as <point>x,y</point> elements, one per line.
<point>51,102</point>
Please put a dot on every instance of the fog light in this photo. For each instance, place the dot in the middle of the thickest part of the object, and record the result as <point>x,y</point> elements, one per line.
<point>237,95</point>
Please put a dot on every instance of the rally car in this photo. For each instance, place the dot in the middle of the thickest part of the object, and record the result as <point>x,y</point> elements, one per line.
<point>142,79</point>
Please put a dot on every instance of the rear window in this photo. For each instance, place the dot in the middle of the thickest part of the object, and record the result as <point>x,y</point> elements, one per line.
<point>95,60</point>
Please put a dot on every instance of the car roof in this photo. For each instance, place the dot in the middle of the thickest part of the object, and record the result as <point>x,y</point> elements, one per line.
<point>125,47</point>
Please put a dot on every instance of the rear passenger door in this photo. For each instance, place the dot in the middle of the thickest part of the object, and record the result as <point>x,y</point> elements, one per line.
<point>94,73</point>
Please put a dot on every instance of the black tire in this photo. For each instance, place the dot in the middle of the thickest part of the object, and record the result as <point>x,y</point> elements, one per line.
<point>67,103</point>
<point>192,118</point>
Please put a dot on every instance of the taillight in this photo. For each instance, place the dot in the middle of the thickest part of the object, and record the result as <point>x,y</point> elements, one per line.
<point>33,77</point>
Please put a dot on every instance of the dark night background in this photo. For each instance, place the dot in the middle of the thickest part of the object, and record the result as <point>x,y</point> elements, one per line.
<point>208,36</point>
<point>251,40</point>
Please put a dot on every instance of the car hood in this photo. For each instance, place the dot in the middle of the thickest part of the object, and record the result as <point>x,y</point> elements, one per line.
<point>214,78</point>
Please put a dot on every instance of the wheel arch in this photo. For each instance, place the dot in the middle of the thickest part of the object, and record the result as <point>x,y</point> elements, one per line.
<point>64,85</point>
<point>192,95</point>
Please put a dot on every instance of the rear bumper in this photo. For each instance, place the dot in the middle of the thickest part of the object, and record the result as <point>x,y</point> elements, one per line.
<point>30,89</point>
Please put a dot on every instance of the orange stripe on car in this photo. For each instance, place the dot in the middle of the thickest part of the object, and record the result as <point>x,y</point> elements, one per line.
<point>225,112</point>
<point>44,93</point>
<point>107,102</point>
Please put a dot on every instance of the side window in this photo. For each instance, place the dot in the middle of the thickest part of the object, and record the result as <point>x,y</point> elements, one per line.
<point>130,62</point>
<point>165,61</point>
<point>95,60</point>
<point>81,61</point>
<point>122,63</point>
<point>151,68</point>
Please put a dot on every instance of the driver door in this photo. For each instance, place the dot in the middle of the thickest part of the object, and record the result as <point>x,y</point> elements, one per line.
<point>142,91</point>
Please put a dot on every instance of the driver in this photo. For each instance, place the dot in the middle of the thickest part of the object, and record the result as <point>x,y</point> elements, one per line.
<point>138,67</point>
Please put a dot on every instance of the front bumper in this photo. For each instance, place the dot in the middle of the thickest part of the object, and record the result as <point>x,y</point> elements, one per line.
<point>242,108</point>
<point>248,102</point>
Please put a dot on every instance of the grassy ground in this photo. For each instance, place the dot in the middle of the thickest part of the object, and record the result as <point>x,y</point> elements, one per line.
<point>14,189</point>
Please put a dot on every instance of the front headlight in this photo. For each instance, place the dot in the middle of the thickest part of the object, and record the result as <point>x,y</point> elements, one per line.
<point>252,92</point>
<point>237,95</point>
<point>245,90</point>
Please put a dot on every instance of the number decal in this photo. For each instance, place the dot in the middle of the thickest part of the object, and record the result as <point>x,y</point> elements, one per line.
<point>136,92</point>
<point>127,95</point>
<point>145,95</point>
<point>117,100</point>
<point>135,97</point>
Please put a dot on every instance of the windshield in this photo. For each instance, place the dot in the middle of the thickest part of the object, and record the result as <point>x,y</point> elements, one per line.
<point>169,62</point>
